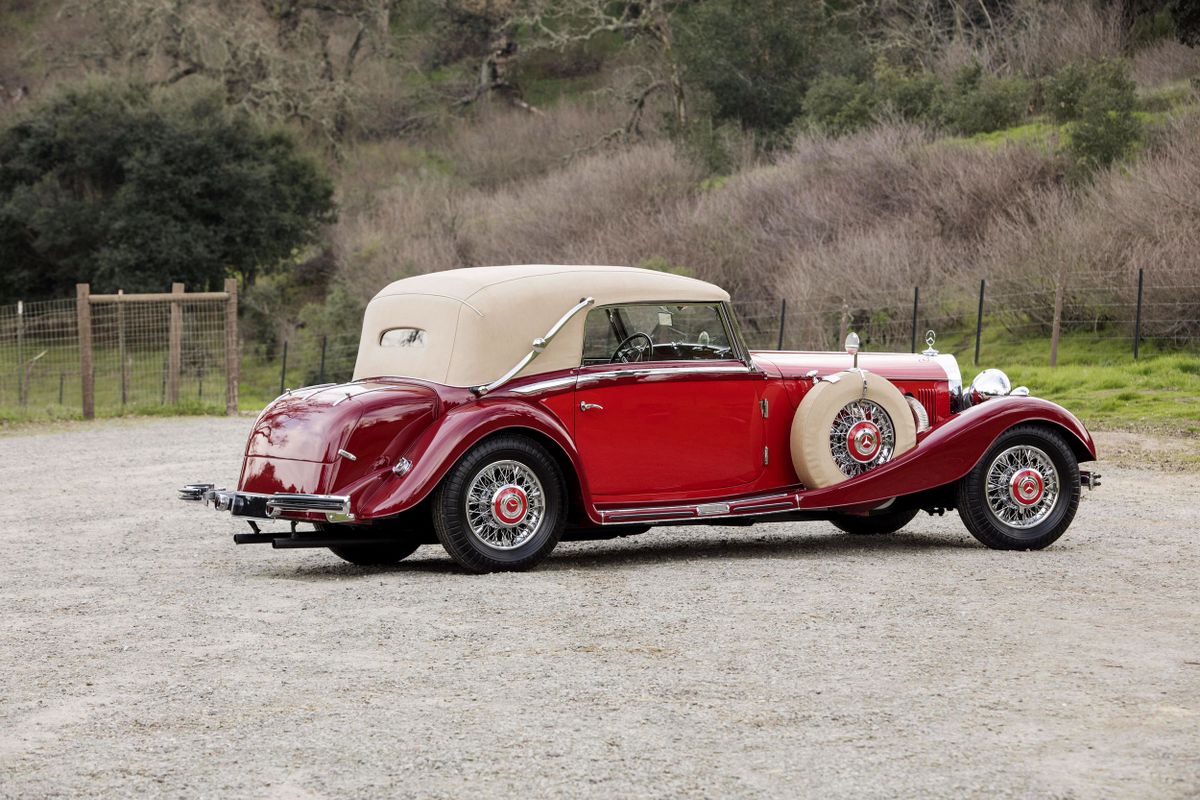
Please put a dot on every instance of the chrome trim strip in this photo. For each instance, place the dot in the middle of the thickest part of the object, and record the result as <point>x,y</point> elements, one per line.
<point>539,345</point>
<point>654,513</point>
<point>545,386</point>
<point>772,504</point>
<point>587,377</point>
<point>780,506</point>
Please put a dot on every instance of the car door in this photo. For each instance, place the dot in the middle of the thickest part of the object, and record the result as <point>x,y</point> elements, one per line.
<point>677,428</point>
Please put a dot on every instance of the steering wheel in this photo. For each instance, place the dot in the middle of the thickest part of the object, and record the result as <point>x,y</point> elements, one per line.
<point>627,351</point>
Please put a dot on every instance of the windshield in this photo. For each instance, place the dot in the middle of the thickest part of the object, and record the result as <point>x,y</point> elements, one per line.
<point>656,332</point>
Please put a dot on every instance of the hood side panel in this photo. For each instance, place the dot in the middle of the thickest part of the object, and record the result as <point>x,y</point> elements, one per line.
<point>893,366</point>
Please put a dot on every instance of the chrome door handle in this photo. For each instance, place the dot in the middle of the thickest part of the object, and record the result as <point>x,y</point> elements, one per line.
<point>586,406</point>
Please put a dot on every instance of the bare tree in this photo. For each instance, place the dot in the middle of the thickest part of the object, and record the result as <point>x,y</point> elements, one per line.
<point>286,59</point>
<point>561,24</point>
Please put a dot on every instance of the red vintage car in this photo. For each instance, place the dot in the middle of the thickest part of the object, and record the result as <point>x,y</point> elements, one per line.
<point>498,410</point>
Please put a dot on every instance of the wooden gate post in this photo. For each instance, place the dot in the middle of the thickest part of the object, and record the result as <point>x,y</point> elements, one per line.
<point>175,345</point>
<point>83,320</point>
<point>121,347</point>
<point>232,360</point>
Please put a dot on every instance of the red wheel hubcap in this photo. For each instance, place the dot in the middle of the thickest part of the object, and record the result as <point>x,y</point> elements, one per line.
<point>509,505</point>
<point>862,441</point>
<point>1027,487</point>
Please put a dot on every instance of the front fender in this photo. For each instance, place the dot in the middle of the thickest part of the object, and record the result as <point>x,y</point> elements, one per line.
<point>950,451</point>
<point>441,446</point>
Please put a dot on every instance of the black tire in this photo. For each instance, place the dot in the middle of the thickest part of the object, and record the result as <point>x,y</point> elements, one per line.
<point>980,518</point>
<point>376,555</point>
<point>450,518</point>
<point>875,524</point>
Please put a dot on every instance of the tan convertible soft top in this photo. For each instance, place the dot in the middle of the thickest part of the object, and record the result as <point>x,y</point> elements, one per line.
<point>467,327</point>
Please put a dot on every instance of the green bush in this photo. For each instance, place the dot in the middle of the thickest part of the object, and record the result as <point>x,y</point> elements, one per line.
<point>837,104</point>
<point>918,97</point>
<point>1064,90</point>
<point>1106,129</point>
<point>981,103</point>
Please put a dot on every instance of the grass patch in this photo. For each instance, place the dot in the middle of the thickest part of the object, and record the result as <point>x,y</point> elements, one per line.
<point>1036,133</point>
<point>1096,379</point>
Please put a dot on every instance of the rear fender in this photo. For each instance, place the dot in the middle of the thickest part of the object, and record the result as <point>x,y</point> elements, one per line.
<point>950,451</point>
<point>446,441</point>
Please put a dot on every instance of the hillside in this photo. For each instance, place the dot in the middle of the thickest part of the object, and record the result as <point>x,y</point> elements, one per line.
<point>830,155</point>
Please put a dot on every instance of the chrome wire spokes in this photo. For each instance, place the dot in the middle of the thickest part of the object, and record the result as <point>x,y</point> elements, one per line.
<point>861,438</point>
<point>1022,486</point>
<point>505,505</point>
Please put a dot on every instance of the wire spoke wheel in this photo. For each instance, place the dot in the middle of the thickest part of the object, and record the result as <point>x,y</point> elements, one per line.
<point>505,505</point>
<point>861,437</point>
<point>1022,486</point>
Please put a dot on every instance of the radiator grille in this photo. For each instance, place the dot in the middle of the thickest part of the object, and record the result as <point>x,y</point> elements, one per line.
<point>928,398</point>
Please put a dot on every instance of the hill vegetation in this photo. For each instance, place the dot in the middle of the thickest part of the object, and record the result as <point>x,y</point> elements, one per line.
<point>827,152</point>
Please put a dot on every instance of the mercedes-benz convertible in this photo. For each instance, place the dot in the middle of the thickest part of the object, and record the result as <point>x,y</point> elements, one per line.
<point>499,410</point>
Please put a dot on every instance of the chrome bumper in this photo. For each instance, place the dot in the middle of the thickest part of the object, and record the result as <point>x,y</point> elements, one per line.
<point>1089,480</point>
<point>336,508</point>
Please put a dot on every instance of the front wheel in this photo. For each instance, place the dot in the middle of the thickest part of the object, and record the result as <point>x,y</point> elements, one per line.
<point>502,507</point>
<point>1023,493</point>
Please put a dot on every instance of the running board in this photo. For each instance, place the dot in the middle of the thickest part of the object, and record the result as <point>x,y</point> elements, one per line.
<point>751,506</point>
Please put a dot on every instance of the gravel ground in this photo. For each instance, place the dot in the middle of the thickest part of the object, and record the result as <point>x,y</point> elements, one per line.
<point>142,653</point>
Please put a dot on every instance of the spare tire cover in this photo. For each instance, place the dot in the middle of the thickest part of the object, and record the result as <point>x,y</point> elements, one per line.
<point>841,431</point>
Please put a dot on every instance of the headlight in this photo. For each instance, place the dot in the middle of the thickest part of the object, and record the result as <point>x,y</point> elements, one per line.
<point>991,383</point>
<point>920,415</point>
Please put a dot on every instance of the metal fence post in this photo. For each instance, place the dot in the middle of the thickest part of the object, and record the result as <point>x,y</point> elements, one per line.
<point>233,361</point>
<point>283,368</point>
<point>83,320</point>
<point>782,323</point>
<point>175,345</point>
<point>22,384</point>
<point>916,303</point>
<point>324,341</point>
<point>979,319</point>
<point>1137,325</point>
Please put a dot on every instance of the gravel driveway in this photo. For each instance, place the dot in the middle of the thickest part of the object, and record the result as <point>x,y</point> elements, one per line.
<point>142,653</point>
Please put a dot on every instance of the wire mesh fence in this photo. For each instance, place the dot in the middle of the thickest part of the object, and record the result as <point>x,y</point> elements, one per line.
<point>39,356</point>
<point>181,351</point>
<point>1151,315</point>
<point>116,353</point>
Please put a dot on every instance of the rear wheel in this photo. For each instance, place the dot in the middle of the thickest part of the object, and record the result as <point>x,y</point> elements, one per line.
<point>875,524</point>
<point>502,507</point>
<point>376,555</point>
<point>1024,492</point>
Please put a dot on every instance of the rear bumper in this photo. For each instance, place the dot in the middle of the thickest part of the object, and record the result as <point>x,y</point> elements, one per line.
<point>334,508</point>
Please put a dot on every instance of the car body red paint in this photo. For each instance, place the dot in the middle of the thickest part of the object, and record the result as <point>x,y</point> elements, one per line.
<point>633,464</point>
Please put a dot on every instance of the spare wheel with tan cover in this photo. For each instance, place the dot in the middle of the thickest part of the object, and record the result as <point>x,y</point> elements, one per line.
<point>847,424</point>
